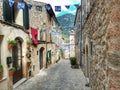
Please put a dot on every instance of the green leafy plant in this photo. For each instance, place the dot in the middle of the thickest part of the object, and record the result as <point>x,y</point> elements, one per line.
<point>1,68</point>
<point>1,71</point>
<point>28,53</point>
<point>12,69</point>
<point>28,61</point>
<point>28,42</point>
<point>73,61</point>
<point>13,42</point>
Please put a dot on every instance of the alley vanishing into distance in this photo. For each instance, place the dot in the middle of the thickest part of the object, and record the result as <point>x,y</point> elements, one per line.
<point>59,76</point>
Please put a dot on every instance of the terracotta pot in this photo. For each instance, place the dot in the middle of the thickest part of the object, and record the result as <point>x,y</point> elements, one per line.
<point>10,46</point>
<point>11,73</point>
<point>28,46</point>
<point>28,64</point>
<point>1,76</point>
<point>28,55</point>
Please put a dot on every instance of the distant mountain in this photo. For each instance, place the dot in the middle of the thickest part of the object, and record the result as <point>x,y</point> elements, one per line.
<point>67,22</point>
<point>65,12</point>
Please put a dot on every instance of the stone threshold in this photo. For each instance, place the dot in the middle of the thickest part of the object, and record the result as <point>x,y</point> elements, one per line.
<point>19,83</point>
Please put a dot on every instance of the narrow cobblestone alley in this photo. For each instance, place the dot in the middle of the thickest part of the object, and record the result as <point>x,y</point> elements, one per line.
<point>59,76</point>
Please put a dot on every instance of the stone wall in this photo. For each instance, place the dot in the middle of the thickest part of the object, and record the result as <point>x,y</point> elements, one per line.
<point>103,29</point>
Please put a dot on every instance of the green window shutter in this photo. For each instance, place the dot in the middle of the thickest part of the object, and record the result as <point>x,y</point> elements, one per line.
<point>7,11</point>
<point>26,16</point>
<point>48,55</point>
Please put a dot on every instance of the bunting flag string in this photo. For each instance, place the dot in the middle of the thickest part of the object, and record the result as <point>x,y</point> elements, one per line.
<point>57,8</point>
<point>48,7</point>
<point>21,5</point>
<point>29,6</point>
<point>11,2</point>
<point>76,5</point>
<point>67,6</point>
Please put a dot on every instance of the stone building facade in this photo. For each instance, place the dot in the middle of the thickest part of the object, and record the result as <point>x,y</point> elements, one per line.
<point>12,28</point>
<point>100,44</point>
<point>17,24</point>
<point>43,19</point>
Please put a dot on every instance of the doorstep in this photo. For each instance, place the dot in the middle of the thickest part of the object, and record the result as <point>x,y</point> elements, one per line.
<point>19,83</point>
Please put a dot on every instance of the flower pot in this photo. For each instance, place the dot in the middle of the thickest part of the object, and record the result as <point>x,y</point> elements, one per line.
<point>28,55</point>
<point>10,46</point>
<point>28,46</point>
<point>28,64</point>
<point>11,73</point>
<point>1,76</point>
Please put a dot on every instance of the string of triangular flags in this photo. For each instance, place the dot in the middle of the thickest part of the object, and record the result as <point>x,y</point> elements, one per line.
<point>58,8</point>
<point>20,5</point>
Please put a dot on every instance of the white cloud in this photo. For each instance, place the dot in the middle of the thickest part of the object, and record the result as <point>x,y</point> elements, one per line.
<point>61,3</point>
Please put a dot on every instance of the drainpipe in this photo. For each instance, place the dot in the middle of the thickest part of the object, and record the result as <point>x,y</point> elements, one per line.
<point>81,35</point>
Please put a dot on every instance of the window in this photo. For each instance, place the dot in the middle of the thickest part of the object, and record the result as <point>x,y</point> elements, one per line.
<point>14,15</point>
<point>39,8</point>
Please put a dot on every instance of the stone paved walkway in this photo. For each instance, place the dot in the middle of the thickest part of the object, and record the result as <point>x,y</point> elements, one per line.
<point>59,76</point>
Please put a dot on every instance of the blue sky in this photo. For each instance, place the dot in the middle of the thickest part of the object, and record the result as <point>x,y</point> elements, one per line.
<point>62,3</point>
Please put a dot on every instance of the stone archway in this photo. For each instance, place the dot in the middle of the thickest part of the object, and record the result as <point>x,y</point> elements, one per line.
<point>17,60</point>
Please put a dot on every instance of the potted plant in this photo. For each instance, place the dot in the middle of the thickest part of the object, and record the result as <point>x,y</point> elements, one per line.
<point>1,71</point>
<point>73,62</point>
<point>28,42</point>
<point>11,71</point>
<point>28,54</point>
<point>28,63</point>
<point>11,43</point>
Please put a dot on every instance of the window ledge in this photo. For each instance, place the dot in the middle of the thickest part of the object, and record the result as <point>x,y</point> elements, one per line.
<point>4,78</point>
<point>14,25</point>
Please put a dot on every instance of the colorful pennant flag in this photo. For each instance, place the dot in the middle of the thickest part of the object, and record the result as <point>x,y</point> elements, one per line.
<point>48,7</point>
<point>29,6</point>
<point>57,8</point>
<point>67,6</point>
<point>11,2</point>
<point>21,5</point>
<point>76,5</point>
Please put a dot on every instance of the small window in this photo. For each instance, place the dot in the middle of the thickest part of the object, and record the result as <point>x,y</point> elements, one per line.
<point>39,8</point>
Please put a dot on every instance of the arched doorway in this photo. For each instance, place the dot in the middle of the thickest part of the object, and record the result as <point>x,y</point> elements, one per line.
<point>41,57</point>
<point>17,60</point>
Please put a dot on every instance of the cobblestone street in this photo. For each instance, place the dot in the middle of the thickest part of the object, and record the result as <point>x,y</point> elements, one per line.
<point>59,76</point>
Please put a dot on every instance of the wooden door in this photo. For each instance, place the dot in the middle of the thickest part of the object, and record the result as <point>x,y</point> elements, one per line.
<point>17,61</point>
<point>41,57</point>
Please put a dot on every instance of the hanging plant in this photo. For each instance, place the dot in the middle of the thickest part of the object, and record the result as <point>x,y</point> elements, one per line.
<point>11,43</point>
<point>11,71</point>
<point>28,63</point>
<point>1,71</point>
<point>28,54</point>
<point>28,42</point>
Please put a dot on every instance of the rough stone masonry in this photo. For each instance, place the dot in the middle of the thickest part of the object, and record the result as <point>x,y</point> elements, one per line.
<point>103,29</point>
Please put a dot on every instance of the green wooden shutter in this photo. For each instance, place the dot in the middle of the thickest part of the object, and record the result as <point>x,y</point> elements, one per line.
<point>7,11</point>
<point>26,16</point>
